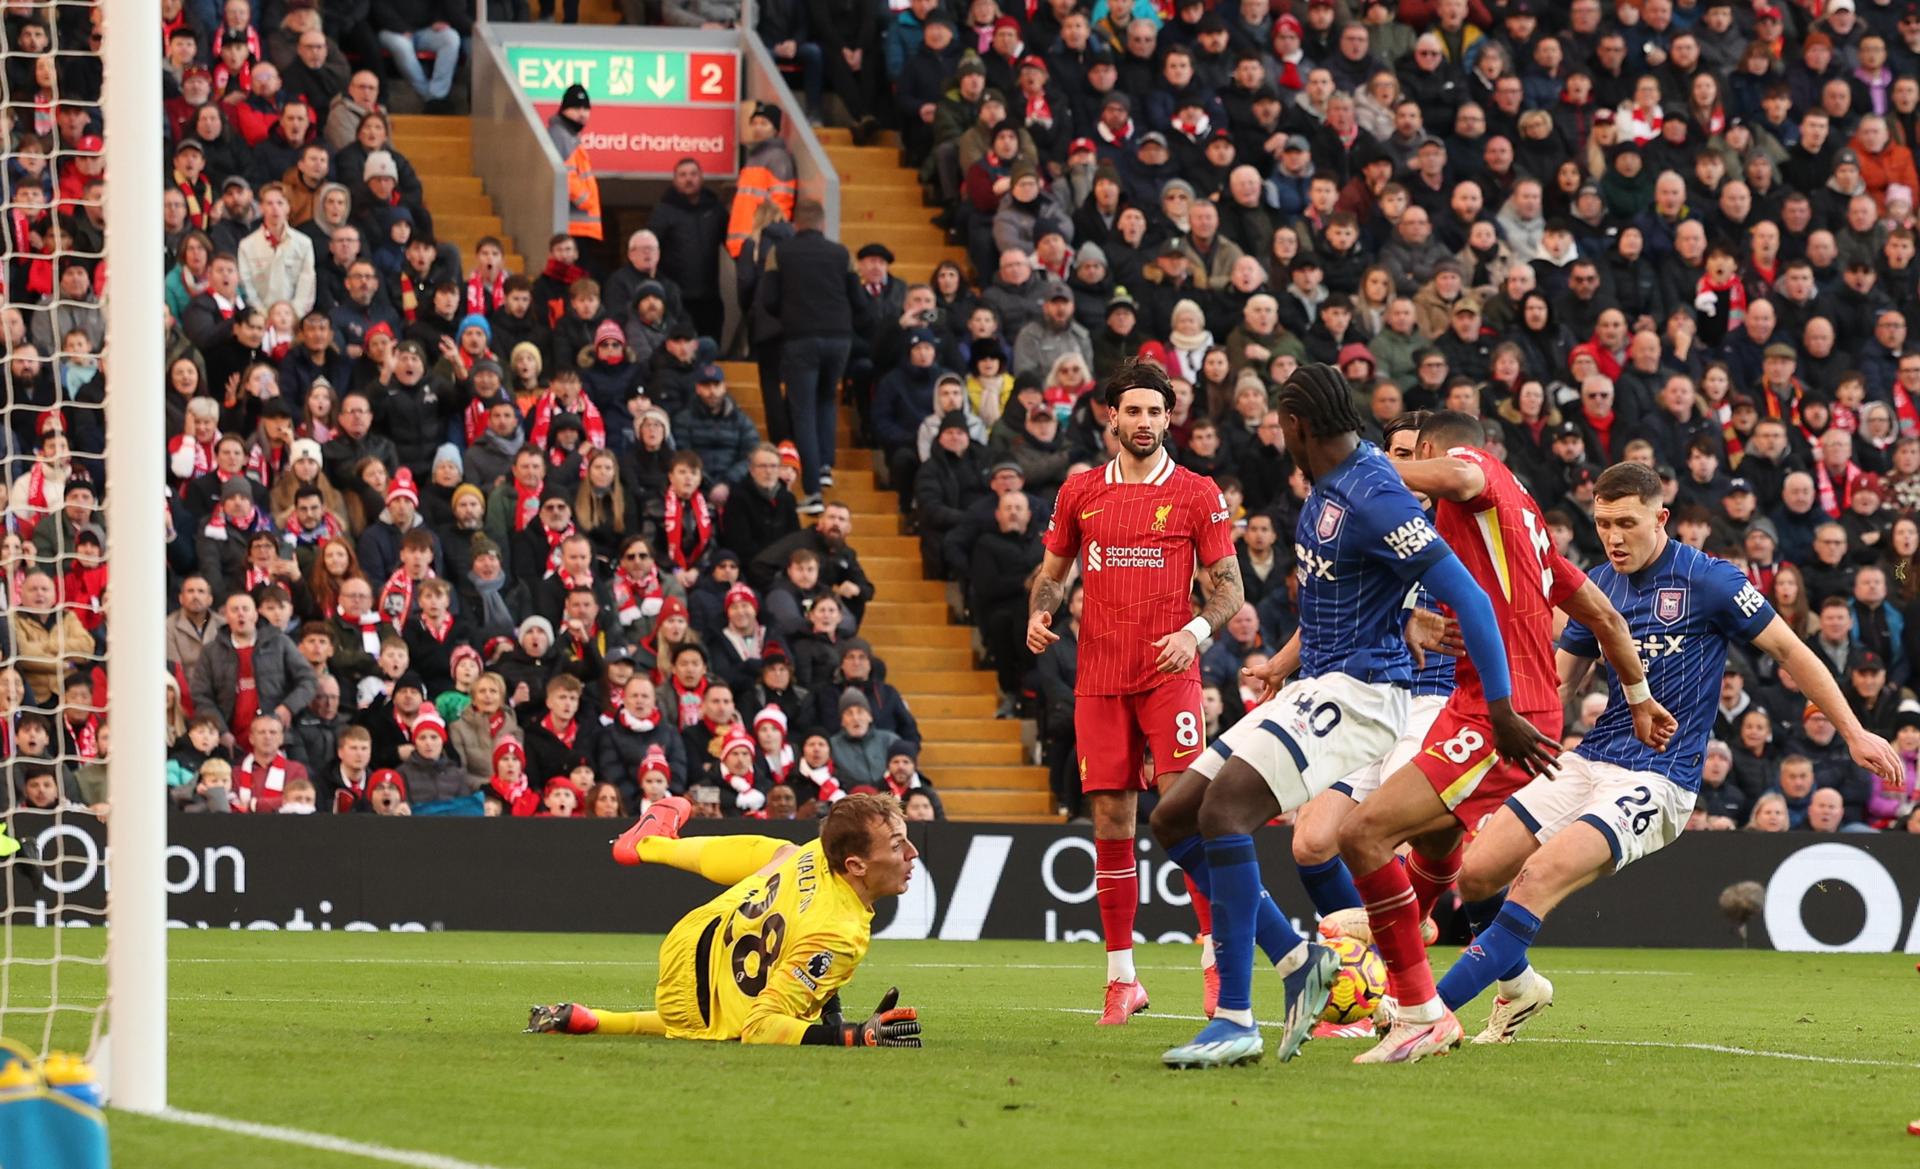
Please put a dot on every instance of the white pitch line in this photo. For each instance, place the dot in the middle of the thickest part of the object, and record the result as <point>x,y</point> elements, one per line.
<point>1710,1048</point>
<point>317,1140</point>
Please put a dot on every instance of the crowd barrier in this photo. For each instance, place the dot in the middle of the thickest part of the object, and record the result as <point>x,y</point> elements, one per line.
<point>1821,893</point>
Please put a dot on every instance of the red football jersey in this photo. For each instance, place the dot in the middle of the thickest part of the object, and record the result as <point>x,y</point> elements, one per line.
<point>1501,536</point>
<point>1138,545</point>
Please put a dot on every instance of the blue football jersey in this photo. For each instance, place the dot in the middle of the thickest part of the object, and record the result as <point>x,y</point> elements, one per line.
<point>1362,538</point>
<point>1436,677</point>
<point>1683,609</point>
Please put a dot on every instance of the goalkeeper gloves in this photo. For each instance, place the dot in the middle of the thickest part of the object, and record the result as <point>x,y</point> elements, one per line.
<point>888,1026</point>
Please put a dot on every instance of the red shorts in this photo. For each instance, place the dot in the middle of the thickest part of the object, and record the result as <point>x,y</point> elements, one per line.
<point>1114,733</point>
<point>1459,760</point>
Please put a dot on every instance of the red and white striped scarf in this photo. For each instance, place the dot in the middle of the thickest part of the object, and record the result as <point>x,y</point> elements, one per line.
<point>673,522</point>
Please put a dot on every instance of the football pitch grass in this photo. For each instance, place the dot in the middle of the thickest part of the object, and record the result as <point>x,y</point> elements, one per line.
<point>411,1042</point>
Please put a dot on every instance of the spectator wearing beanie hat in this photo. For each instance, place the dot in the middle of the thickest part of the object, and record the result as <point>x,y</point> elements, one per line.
<point>860,749</point>
<point>903,776</point>
<point>860,671</point>
<point>737,650</point>
<point>737,773</point>
<point>611,373</point>
<point>561,798</point>
<point>654,778</point>
<point>433,777</point>
<point>508,786</point>
<point>774,756</point>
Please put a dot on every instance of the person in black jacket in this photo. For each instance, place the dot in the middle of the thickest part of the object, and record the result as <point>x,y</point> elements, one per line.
<point>560,738</point>
<point>691,222</point>
<point>860,671</point>
<point>627,734</point>
<point>761,511</point>
<point>1002,561</point>
<point>954,475</point>
<point>808,283</point>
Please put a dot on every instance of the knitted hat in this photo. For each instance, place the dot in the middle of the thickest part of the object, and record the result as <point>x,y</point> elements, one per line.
<point>852,696</point>
<point>771,714</point>
<point>461,653</point>
<point>541,623</point>
<point>380,165</point>
<point>655,762</point>
<point>576,98</point>
<point>506,747</point>
<point>448,453</point>
<point>789,454</point>
<point>306,448</point>
<point>430,720</point>
<point>401,487</point>
<point>609,331</point>
<point>470,489</point>
<point>737,739</point>
<point>738,593</point>
<point>476,321</point>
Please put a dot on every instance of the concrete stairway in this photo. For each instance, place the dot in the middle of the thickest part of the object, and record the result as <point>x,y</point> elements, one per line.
<point>441,150</point>
<point>977,761</point>
<point>880,201</point>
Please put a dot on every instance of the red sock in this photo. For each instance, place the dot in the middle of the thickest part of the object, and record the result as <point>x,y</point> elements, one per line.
<point>1116,885</point>
<point>1202,908</point>
<point>1431,878</point>
<point>1396,931</point>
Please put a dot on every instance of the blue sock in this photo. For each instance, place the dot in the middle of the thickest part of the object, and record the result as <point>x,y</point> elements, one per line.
<point>1236,908</point>
<point>1273,931</point>
<point>1191,855</point>
<point>1330,885</point>
<point>1481,915</point>
<point>1501,946</point>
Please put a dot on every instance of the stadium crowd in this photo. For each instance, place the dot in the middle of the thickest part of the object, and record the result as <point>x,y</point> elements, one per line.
<point>448,539</point>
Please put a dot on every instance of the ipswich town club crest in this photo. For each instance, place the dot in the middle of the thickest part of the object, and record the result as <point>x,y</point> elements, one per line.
<point>1331,517</point>
<point>1669,605</point>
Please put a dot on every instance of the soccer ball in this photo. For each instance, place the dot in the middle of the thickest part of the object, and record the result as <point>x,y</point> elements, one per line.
<point>1358,984</point>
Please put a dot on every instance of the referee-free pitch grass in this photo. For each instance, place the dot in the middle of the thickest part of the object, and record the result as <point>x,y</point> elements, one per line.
<point>411,1041</point>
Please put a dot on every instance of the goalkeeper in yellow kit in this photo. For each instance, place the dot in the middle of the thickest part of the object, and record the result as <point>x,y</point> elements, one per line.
<point>764,961</point>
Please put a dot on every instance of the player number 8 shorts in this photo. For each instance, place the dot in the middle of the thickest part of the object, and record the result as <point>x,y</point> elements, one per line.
<point>1314,732</point>
<point>1638,812</point>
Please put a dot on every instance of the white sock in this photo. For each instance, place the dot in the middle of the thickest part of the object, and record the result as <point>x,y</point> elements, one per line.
<point>1295,959</point>
<point>1206,951</point>
<point>1244,1018</point>
<point>1513,988</point>
<point>1120,966</point>
<point>1427,1012</point>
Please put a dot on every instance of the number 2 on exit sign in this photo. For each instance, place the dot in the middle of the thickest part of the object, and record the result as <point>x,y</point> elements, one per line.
<point>713,77</point>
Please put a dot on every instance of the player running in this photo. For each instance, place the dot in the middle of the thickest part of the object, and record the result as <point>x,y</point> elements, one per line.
<point>1140,524</point>
<point>1460,778</point>
<point>1316,832</point>
<point>1614,800</point>
<point>764,962</point>
<point>1361,540</point>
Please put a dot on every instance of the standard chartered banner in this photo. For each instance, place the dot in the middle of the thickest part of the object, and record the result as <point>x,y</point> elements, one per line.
<point>973,881</point>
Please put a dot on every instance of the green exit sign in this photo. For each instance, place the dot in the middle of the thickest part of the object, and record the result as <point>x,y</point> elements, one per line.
<point>616,77</point>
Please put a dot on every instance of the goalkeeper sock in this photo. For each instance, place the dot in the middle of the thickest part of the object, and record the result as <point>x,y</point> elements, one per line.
<point>630,1022</point>
<point>1235,869</point>
<point>1497,948</point>
<point>724,860</point>
<point>1330,886</point>
<point>1117,888</point>
<point>1480,916</point>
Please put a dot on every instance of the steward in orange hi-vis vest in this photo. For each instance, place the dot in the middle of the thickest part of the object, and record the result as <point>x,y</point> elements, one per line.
<point>583,190</point>
<point>767,173</point>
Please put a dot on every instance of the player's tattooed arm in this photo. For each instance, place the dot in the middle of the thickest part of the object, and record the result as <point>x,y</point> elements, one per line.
<point>1044,599</point>
<point>1225,592</point>
<point>1225,597</point>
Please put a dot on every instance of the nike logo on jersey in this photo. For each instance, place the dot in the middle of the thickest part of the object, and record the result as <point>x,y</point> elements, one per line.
<point>1179,755</point>
<point>1085,515</point>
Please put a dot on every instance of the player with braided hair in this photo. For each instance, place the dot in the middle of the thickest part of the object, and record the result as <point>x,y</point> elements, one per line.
<point>1361,542</point>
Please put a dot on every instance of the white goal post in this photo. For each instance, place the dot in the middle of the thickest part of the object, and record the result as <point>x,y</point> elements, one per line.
<point>136,486</point>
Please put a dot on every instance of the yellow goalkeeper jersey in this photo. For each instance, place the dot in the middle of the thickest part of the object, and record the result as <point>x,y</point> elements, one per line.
<point>759,961</point>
